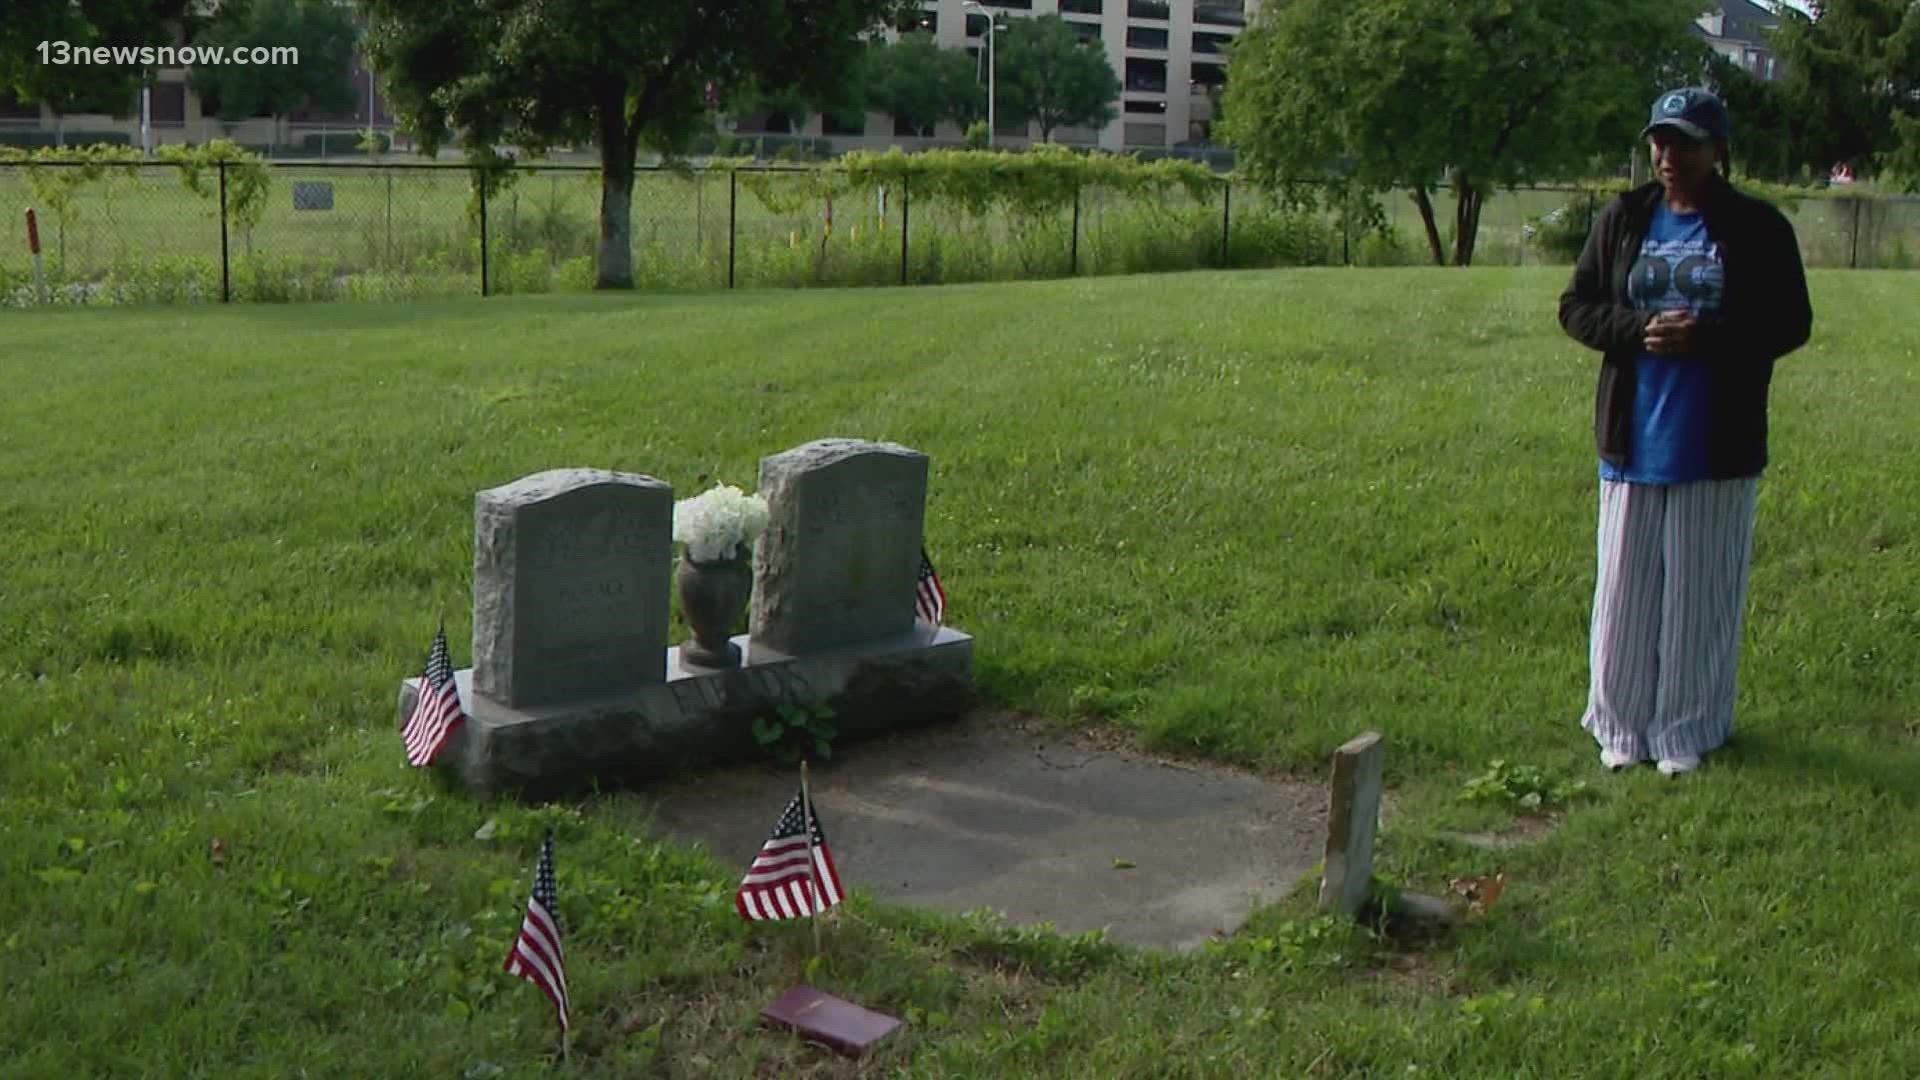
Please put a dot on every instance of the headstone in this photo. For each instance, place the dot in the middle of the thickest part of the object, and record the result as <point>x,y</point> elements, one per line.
<point>1352,816</point>
<point>571,571</point>
<point>840,559</point>
<point>313,195</point>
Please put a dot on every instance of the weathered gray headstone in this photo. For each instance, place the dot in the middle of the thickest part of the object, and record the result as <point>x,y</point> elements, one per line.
<point>571,571</point>
<point>840,559</point>
<point>1353,814</point>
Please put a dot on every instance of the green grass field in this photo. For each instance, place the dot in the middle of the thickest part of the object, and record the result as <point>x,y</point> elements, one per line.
<point>409,233</point>
<point>1238,516</point>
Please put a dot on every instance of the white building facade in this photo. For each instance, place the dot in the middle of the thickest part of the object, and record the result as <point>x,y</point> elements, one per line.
<point>1167,54</point>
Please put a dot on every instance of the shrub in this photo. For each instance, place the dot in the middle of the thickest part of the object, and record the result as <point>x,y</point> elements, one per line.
<point>1560,233</point>
<point>337,143</point>
<point>1388,246</point>
<point>1269,237</point>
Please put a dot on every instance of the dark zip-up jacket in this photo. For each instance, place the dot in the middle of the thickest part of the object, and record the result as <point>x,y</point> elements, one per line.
<point>1764,314</point>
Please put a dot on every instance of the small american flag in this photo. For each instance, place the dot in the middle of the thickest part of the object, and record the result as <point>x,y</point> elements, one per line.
<point>930,598</point>
<point>436,711</point>
<point>780,883</point>
<point>536,955</point>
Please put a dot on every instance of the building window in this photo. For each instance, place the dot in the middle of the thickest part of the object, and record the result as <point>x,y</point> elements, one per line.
<point>1023,5</point>
<point>848,124</point>
<point>1148,9</point>
<point>1087,31</point>
<point>976,24</point>
<point>12,108</point>
<point>167,102</point>
<point>1080,7</point>
<point>1146,37</point>
<point>765,123</point>
<point>1147,76</point>
<point>1145,134</point>
<point>1204,42</point>
<point>1158,108</point>
<point>1220,13</point>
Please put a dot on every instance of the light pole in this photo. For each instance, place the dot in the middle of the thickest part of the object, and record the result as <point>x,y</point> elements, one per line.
<point>366,57</point>
<point>991,27</point>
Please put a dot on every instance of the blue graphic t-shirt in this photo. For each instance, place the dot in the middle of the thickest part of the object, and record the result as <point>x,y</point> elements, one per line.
<point>1678,268</point>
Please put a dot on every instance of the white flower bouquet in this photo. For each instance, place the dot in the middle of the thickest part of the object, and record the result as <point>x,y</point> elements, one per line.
<point>716,523</point>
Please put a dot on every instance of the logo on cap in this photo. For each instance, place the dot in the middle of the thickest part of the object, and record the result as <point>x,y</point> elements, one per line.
<point>1674,105</point>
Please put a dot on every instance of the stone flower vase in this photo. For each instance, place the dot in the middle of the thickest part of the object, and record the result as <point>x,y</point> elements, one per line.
<point>712,597</point>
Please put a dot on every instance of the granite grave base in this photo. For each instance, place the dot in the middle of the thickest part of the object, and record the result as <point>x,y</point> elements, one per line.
<point>700,716</point>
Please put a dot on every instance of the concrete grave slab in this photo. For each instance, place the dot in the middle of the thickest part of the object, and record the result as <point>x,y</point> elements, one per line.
<point>699,717</point>
<point>995,812</point>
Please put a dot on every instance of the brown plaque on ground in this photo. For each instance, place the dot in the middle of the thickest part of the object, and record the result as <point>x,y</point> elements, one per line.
<point>819,1016</point>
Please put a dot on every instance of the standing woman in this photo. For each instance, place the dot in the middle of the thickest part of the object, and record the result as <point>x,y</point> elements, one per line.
<point>1690,289</point>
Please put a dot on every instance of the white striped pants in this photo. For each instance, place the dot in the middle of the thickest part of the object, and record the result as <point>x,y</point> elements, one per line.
<point>1668,608</point>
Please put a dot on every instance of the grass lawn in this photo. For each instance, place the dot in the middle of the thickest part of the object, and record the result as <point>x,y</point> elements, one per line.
<point>405,233</point>
<point>1243,516</point>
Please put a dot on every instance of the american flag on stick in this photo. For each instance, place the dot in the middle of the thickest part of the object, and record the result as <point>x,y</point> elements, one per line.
<point>793,875</point>
<point>930,597</point>
<point>436,710</point>
<point>536,955</point>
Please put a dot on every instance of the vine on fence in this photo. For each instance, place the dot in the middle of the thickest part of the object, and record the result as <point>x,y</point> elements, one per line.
<point>247,177</point>
<point>72,168</point>
<point>1039,181</point>
<point>493,175</point>
<point>56,174</point>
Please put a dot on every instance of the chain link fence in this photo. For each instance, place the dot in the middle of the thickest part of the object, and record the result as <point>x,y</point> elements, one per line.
<point>158,233</point>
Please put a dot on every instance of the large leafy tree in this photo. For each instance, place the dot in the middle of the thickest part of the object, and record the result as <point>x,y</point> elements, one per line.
<point>922,84</point>
<point>1367,96</point>
<point>84,24</point>
<point>1044,73</point>
<point>846,100</point>
<point>616,74</point>
<point>751,99</point>
<point>1853,67</point>
<point>323,31</point>
<point>1774,136</point>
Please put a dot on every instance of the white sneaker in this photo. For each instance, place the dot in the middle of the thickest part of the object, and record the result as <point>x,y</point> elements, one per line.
<point>1615,760</point>
<point>1679,763</point>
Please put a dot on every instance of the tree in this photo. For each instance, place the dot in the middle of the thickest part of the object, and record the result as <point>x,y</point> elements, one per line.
<point>1774,137</point>
<point>751,99</point>
<point>922,84</point>
<point>1044,73</point>
<point>84,24</point>
<point>1853,68</point>
<point>322,30</point>
<point>846,101</point>
<point>1366,96</point>
<point>618,76</point>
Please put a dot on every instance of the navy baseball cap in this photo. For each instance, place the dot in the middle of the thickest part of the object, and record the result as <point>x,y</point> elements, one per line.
<point>1691,110</point>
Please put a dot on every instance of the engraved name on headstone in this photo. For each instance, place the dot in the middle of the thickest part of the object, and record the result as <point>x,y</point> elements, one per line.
<point>571,575</point>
